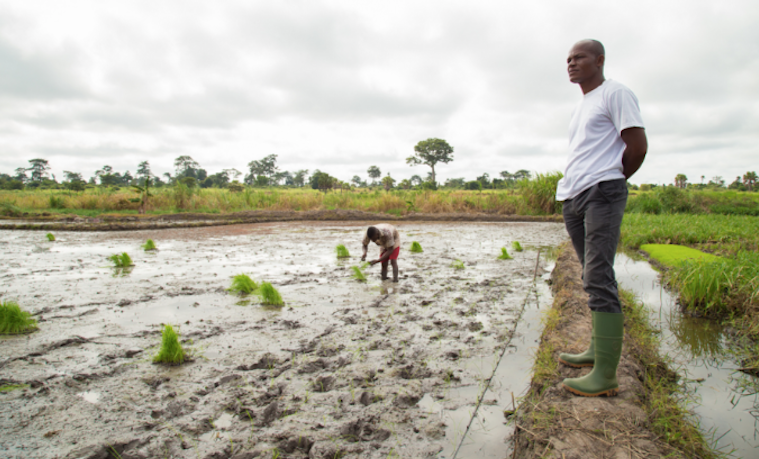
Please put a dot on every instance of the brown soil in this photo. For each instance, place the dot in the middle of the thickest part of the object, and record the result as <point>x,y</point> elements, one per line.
<point>552,423</point>
<point>115,222</point>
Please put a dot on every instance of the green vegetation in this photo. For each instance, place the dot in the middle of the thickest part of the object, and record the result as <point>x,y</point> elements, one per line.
<point>11,387</point>
<point>14,320</point>
<point>675,255</point>
<point>269,295</point>
<point>121,260</point>
<point>342,252</point>
<point>457,264</point>
<point>516,246</point>
<point>171,351</point>
<point>358,274</point>
<point>504,254</point>
<point>149,245</point>
<point>50,237</point>
<point>416,247</point>
<point>539,194</point>
<point>243,284</point>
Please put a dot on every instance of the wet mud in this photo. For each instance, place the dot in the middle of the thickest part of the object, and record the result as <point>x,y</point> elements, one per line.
<point>344,369</point>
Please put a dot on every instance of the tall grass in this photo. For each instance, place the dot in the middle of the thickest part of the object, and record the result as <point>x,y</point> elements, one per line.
<point>539,194</point>
<point>122,260</point>
<point>243,284</point>
<point>14,320</point>
<point>342,252</point>
<point>269,295</point>
<point>171,351</point>
<point>416,247</point>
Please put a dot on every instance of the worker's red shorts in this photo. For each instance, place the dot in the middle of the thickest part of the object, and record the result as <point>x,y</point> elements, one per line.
<point>394,255</point>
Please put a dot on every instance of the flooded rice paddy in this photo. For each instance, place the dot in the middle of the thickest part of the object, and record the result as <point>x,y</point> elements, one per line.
<point>344,369</point>
<point>724,399</point>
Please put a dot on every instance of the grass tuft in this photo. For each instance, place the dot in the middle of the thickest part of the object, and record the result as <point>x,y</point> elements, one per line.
<point>50,237</point>
<point>149,245</point>
<point>270,295</point>
<point>342,252</point>
<point>516,246</point>
<point>171,351</point>
<point>674,255</point>
<point>457,264</point>
<point>504,254</point>
<point>358,274</point>
<point>416,247</point>
<point>11,387</point>
<point>243,284</point>
<point>121,261</point>
<point>14,320</point>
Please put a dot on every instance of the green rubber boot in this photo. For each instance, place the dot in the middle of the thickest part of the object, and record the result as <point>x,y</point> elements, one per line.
<point>586,358</point>
<point>602,380</point>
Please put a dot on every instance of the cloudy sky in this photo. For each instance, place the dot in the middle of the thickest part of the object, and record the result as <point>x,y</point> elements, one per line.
<point>343,85</point>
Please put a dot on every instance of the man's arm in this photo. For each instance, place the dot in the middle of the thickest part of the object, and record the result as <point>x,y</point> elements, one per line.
<point>364,256</point>
<point>385,255</point>
<point>635,152</point>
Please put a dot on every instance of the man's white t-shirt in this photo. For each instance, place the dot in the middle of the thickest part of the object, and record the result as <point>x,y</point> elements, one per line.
<point>595,143</point>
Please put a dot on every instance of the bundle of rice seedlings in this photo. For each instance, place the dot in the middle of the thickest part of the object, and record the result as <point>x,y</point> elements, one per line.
<point>504,254</point>
<point>243,284</point>
<point>269,295</point>
<point>516,246</point>
<point>457,264</point>
<point>358,274</point>
<point>50,237</point>
<point>171,351</point>
<point>342,252</point>
<point>121,261</point>
<point>416,247</point>
<point>14,321</point>
<point>149,245</point>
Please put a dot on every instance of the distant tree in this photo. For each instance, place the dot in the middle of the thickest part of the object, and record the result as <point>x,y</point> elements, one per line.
<point>416,180</point>
<point>356,180</point>
<point>484,179</point>
<point>143,170</point>
<point>405,184</point>
<point>455,182</point>
<point>145,194</point>
<point>737,185</point>
<point>265,167</point>
<point>168,176</point>
<point>749,179</point>
<point>681,181</point>
<point>21,174</point>
<point>38,168</point>
<point>232,174</point>
<point>299,179</point>
<point>374,173</point>
<point>522,174</point>
<point>430,152</point>
<point>717,181</point>
<point>72,176</point>
<point>475,185</point>
<point>322,181</point>
<point>185,166</point>
<point>388,182</point>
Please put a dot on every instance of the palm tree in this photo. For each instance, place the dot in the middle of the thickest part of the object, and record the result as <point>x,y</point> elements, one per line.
<point>749,179</point>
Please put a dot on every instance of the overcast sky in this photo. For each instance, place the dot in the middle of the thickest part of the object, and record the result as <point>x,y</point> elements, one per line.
<point>343,85</point>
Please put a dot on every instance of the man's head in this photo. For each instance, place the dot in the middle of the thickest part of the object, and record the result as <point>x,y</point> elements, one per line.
<point>585,63</point>
<point>373,234</point>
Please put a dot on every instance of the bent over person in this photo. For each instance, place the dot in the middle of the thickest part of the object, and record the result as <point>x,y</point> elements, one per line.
<point>387,237</point>
<point>607,144</point>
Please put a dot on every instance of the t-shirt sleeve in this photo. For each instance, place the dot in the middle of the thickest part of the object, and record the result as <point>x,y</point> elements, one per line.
<point>624,110</point>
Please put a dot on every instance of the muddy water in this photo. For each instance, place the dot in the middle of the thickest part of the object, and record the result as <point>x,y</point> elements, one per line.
<point>725,400</point>
<point>371,369</point>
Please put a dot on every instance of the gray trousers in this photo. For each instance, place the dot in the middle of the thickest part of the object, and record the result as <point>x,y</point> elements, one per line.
<point>593,220</point>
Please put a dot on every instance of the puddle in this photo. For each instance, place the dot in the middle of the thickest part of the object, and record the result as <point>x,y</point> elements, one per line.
<point>92,397</point>
<point>727,412</point>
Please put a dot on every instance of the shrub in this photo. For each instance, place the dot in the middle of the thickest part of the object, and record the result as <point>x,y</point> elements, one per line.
<point>171,351</point>
<point>243,284</point>
<point>516,246</point>
<point>416,247</point>
<point>50,237</point>
<point>14,321</point>
<point>504,254</point>
<point>149,245</point>
<point>270,295</point>
<point>342,252</point>
<point>121,261</point>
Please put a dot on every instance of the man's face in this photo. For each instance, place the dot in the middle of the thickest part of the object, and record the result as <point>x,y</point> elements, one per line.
<point>582,64</point>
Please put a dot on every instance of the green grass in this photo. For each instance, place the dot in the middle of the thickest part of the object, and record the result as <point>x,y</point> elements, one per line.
<point>504,254</point>
<point>517,246</point>
<point>457,264</point>
<point>269,295</point>
<point>50,237</point>
<point>14,320</point>
<point>121,260</point>
<point>358,274</point>
<point>149,245</point>
<point>243,284</point>
<point>416,247</point>
<point>671,255</point>
<point>342,252</point>
<point>10,387</point>
<point>171,351</point>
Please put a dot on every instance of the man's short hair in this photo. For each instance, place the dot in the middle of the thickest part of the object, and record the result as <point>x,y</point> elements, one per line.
<point>373,233</point>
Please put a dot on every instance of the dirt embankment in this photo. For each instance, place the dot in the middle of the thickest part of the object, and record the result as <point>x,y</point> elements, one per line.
<point>114,222</point>
<point>552,423</point>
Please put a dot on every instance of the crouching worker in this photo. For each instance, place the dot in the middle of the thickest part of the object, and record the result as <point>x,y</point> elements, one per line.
<point>387,237</point>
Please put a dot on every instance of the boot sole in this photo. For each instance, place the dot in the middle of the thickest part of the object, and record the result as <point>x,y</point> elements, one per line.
<point>608,393</point>
<point>575,365</point>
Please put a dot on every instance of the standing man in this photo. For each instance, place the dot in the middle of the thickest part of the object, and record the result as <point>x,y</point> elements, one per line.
<point>387,237</point>
<point>607,144</point>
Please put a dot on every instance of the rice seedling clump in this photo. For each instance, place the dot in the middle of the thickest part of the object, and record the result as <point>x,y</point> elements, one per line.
<point>149,245</point>
<point>342,252</point>
<point>516,246</point>
<point>243,284</point>
<point>121,260</point>
<point>416,247</point>
<point>457,264</point>
<point>358,274</point>
<point>504,254</point>
<point>14,321</point>
<point>50,237</point>
<point>674,255</point>
<point>171,351</point>
<point>270,295</point>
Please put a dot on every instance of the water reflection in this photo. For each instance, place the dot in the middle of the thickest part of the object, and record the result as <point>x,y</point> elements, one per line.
<point>700,338</point>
